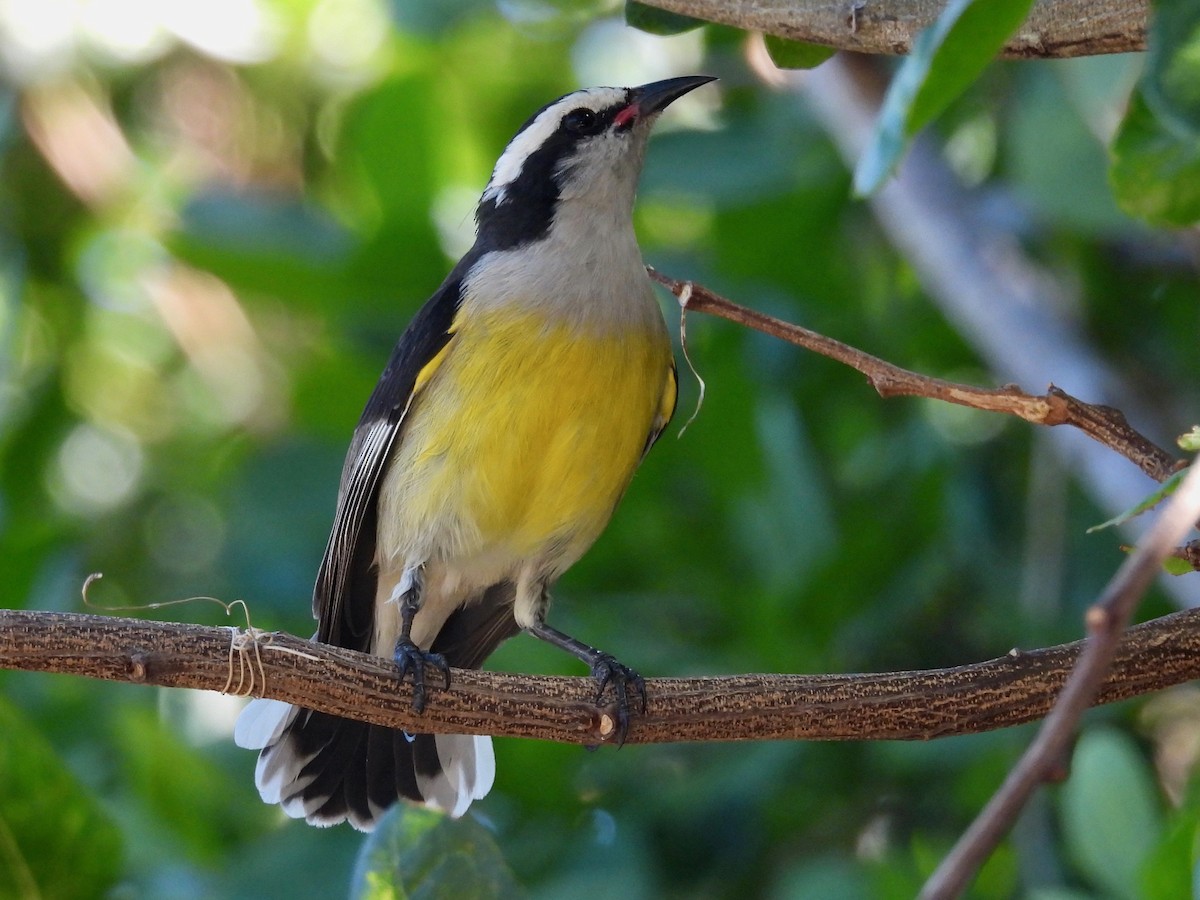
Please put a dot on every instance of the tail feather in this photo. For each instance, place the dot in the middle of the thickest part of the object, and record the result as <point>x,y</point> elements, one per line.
<point>327,770</point>
<point>381,771</point>
<point>405,771</point>
<point>468,770</point>
<point>261,725</point>
<point>328,787</point>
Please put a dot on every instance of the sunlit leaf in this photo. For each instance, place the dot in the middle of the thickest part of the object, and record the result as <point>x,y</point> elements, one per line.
<point>946,58</point>
<point>421,853</point>
<point>391,146</point>
<point>1173,565</point>
<point>1190,440</point>
<point>796,54</point>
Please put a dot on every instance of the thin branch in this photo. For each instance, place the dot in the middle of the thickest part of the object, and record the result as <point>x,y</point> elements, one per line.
<point>1104,424</point>
<point>1055,28</point>
<point>1014,311</point>
<point>1106,621</point>
<point>1013,689</point>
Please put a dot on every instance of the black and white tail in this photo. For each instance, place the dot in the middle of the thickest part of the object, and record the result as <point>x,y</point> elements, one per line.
<point>327,770</point>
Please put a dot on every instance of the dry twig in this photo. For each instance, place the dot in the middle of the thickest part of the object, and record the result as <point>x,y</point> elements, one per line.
<point>1056,407</point>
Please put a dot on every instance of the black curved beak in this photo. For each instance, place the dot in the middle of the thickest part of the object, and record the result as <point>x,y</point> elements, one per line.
<point>658,95</point>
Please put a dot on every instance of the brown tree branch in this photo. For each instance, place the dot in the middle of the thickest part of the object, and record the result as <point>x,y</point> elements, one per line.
<point>1104,424</point>
<point>1055,28</point>
<point>1013,689</point>
<point>1106,621</point>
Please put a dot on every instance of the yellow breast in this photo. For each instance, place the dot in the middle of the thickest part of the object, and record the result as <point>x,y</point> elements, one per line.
<point>522,441</point>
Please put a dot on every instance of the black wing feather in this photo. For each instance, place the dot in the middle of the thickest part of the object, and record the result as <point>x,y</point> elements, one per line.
<point>344,595</point>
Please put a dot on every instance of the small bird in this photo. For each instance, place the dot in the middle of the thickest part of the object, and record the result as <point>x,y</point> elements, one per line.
<point>494,450</point>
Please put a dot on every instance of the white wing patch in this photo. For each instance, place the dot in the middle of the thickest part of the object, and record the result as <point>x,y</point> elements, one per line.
<point>512,160</point>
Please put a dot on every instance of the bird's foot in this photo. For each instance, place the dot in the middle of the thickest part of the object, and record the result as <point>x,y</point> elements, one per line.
<point>412,662</point>
<point>628,686</point>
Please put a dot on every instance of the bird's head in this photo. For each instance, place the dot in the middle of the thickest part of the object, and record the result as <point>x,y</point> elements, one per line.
<point>584,147</point>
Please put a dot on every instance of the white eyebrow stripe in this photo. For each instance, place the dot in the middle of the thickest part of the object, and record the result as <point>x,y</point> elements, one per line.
<point>512,160</point>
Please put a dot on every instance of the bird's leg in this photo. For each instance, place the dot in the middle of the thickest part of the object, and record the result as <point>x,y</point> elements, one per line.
<point>409,658</point>
<point>627,684</point>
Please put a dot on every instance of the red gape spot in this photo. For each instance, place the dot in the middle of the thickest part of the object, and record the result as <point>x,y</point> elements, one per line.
<point>626,116</point>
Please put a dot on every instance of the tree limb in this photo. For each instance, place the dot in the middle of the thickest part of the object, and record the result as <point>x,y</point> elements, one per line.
<point>1013,689</point>
<point>1055,28</point>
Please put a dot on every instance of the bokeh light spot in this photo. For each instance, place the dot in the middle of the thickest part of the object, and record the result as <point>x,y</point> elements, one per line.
<point>96,470</point>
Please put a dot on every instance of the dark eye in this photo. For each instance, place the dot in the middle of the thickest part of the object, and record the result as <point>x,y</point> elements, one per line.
<point>581,121</point>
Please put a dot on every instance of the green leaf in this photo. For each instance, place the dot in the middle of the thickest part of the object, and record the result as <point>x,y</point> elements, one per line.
<point>1173,565</point>
<point>1171,84</point>
<point>946,58</point>
<point>796,54</point>
<point>1166,489</point>
<point>1111,814</point>
<point>54,839</point>
<point>653,20</point>
<point>420,852</point>
<point>1155,171</point>
<point>1166,873</point>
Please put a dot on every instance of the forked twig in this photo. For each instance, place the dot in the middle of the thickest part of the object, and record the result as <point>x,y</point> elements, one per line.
<point>1106,622</point>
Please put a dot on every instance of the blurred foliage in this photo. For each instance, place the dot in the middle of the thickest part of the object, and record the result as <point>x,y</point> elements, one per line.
<point>216,218</point>
<point>34,845</point>
<point>1156,173</point>
<point>796,54</point>
<point>1111,818</point>
<point>653,20</point>
<point>946,58</point>
<point>417,852</point>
